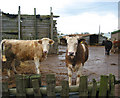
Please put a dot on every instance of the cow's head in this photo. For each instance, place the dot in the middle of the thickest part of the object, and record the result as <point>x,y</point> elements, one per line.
<point>46,42</point>
<point>72,43</point>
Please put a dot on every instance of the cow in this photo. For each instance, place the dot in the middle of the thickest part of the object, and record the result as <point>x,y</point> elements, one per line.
<point>108,46</point>
<point>22,50</point>
<point>116,46</point>
<point>76,55</point>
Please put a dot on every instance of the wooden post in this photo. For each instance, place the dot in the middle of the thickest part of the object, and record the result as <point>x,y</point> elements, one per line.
<point>37,76</point>
<point>0,53</point>
<point>27,81</point>
<point>36,89</point>
<point>5,93</point>
<point>19,37</point>
<point>111,85</point>
<point>51,28</point>
<point>119,29</point>
<point>103,86</point>
<point>83,87</point>
<point>51,23</point>
<point>65,89</point>
<point>35,24</point>
<point>94,89</point>
<point>0,25</point>
<point>50,79</point>
<point>20,86</point>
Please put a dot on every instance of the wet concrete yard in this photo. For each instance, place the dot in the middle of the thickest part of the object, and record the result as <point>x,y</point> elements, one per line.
<point>97,64</point>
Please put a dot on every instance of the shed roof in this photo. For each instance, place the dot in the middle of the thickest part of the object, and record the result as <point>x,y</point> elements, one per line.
<point>118,31</point>
<point>83,35</point>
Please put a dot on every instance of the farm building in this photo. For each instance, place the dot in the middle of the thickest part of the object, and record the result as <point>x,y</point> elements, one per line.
<point>91,39</point>
<point>30,27</point>
<point>115,35</point>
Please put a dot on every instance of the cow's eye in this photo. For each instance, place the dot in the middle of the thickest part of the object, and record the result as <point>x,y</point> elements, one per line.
<point>76,44</point>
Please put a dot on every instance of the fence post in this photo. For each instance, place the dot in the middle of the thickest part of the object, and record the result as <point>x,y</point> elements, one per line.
<point>65,89</point>
<point>5,93</point>
<point>111,85</point>
<point>103,86</point>
<point>50,79</point>
<point>35,24</point>
<point>27,81</point>
<point>94,89</point>
<point>37,76</point>
<point>36,88</point>
<point>19,35</point>
<point>20,86</point>
<point>83,86</point>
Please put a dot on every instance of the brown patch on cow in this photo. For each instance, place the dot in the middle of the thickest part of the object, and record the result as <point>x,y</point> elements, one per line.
<point>70,75</point>
<point>78,75</point>
<point>51,42</point>
<point>36,44</point>
<point>40,41</point>
<point>80,57</point>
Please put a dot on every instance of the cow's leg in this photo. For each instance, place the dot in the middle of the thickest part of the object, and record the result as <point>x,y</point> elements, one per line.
<point>8,72</point>
<point>79,73</point>
<point>37,64</point>
<point>13,66</point>
<point>70,75</point>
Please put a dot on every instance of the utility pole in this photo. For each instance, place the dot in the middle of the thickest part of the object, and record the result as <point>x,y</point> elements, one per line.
<point>19,37</point>
<point>99,34</point>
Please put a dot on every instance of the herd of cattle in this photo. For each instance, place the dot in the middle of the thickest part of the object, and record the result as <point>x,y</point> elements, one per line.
<point>21,50</point>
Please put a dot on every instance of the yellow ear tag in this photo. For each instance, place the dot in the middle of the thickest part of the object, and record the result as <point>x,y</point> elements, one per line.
<point>81,42</point>
<point>4,58</point>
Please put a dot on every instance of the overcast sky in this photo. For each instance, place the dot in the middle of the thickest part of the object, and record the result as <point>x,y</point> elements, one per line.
<point>76,16</point>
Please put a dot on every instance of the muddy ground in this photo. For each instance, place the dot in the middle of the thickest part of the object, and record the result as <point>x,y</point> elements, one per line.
<point>97,64</point>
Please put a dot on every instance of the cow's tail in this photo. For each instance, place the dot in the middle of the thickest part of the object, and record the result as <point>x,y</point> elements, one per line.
<point>2,49</point>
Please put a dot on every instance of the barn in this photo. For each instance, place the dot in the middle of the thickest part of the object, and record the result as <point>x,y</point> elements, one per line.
<point>91,39</point>
<point>31,27</point>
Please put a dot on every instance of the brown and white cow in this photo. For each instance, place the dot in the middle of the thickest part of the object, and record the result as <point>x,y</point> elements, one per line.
<point>116,46</point>
<point>76,56</point>
<point>22,50</point>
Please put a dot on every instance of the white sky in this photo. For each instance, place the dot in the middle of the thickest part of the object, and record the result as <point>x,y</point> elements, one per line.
<point>75,15</point>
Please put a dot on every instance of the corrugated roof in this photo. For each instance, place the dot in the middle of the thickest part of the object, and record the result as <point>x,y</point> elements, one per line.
<point>78,35</point>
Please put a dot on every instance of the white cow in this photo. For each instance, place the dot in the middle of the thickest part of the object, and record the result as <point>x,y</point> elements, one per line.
<point>22,50</point>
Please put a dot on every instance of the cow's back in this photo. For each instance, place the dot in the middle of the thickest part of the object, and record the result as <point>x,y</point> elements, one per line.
<point>23,49</point>
<point>82,54</point>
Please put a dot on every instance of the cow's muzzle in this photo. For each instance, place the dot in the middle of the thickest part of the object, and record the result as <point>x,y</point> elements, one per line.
<point>71,53</point>
<point>45,52</point>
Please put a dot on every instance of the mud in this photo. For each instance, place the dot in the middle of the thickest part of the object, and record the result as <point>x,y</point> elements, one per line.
<point>97,64</point>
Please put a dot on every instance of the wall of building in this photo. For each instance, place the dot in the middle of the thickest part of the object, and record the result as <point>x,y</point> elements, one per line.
<point>31,27</point>
<point>115,36</point>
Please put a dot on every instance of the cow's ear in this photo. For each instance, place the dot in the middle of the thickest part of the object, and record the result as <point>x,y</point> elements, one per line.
<point>81,40</point>
<point>51,42</point>
<point>66,37</point>
<point>79,37</point>
<point>40,41</point>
